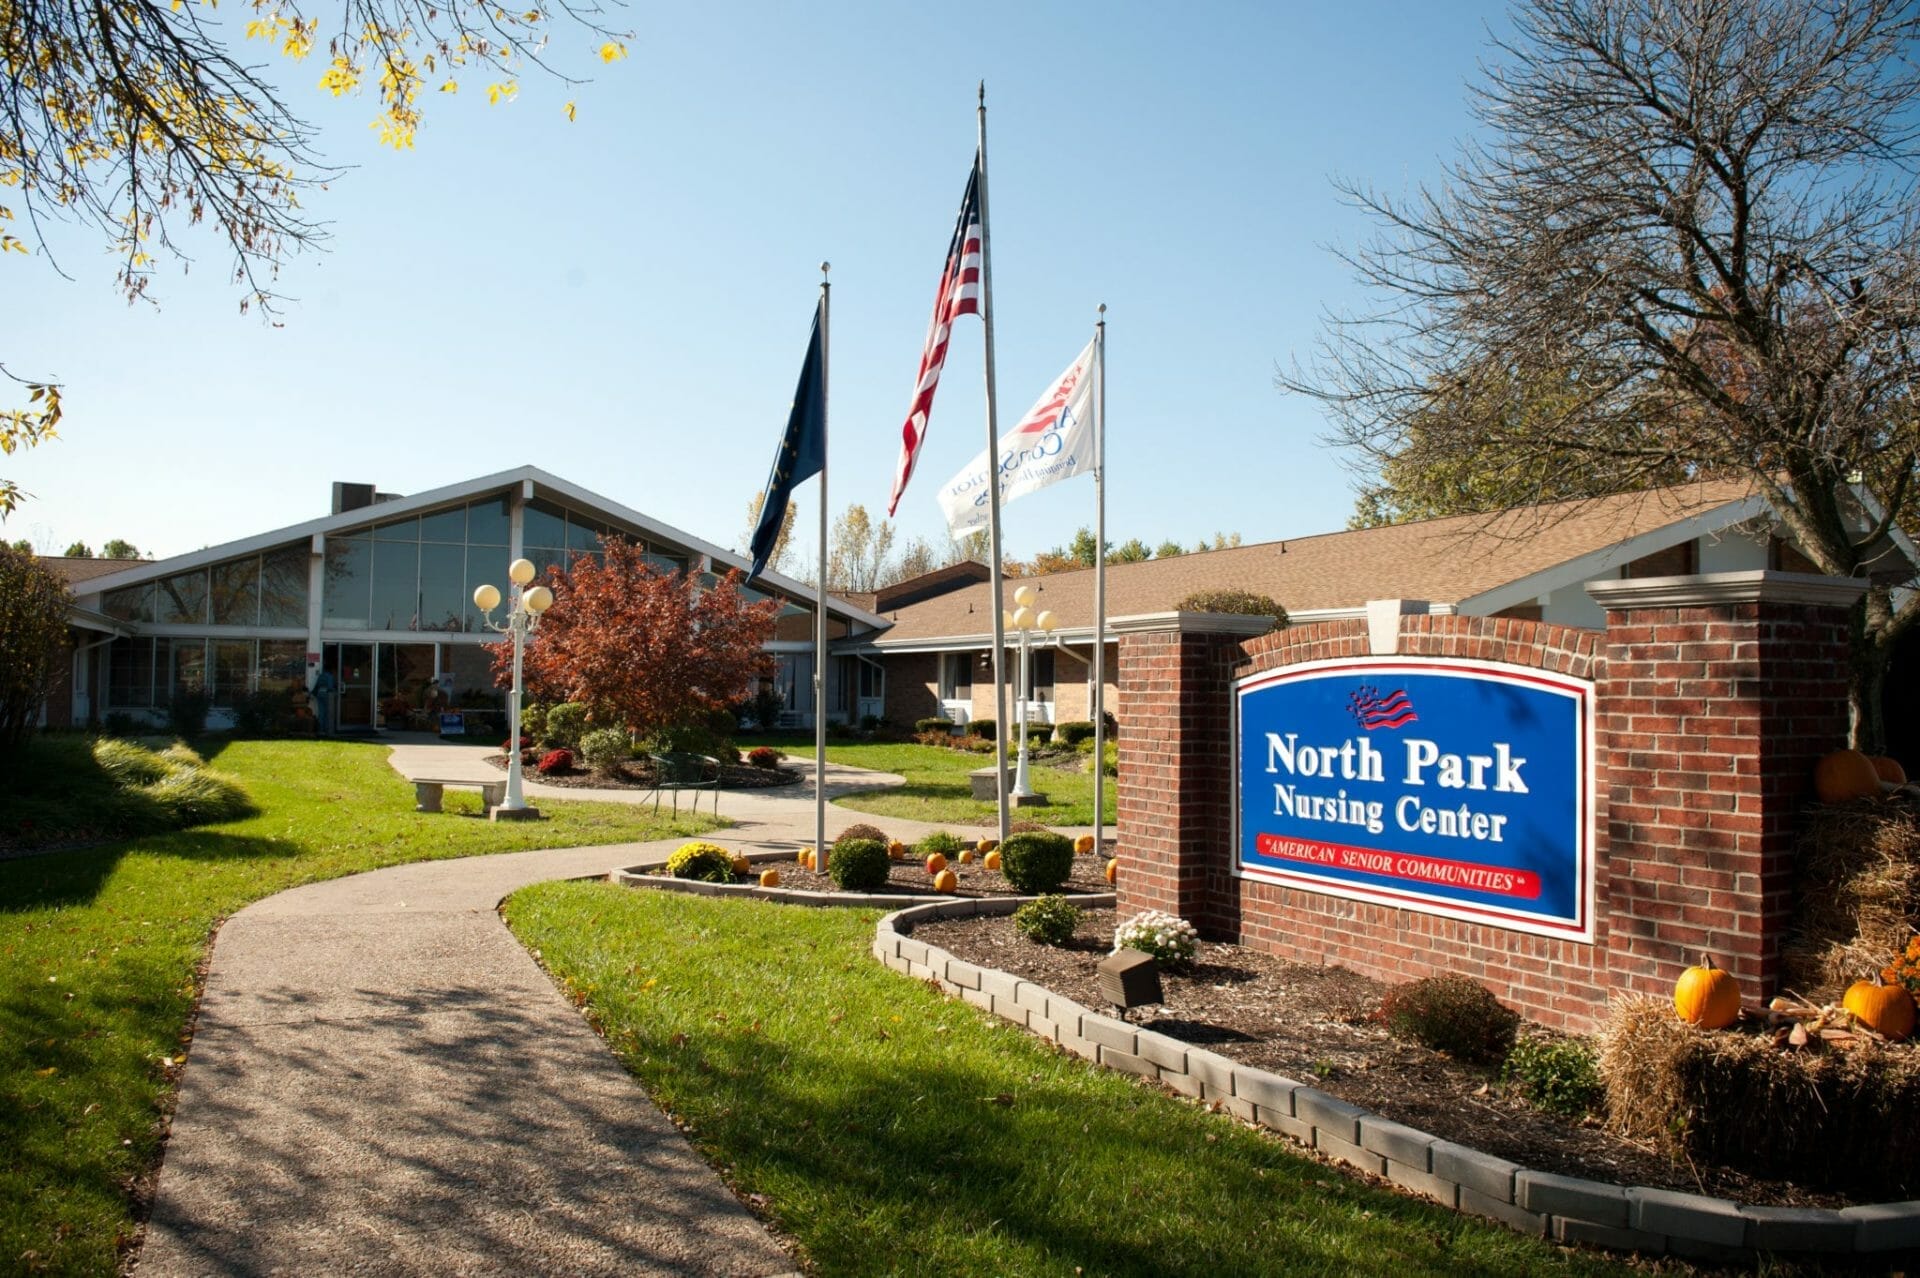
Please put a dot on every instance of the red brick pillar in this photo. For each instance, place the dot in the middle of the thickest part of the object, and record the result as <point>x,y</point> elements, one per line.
<point>1719,694</point>
<point>1175,792</point>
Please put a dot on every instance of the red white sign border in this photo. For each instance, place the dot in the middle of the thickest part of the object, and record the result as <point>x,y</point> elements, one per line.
<point>1580,691</point>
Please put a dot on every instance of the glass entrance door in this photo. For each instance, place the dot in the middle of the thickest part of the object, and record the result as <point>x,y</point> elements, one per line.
<point>351,665</point>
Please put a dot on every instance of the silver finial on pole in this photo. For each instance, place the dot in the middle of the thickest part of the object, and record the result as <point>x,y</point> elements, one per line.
<point>983,93</point>
<point>1103,308</point>
<point>828,266</point>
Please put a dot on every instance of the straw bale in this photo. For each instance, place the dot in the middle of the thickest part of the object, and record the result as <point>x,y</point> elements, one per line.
<point>1857,899</point>
<point>1821,1118</point>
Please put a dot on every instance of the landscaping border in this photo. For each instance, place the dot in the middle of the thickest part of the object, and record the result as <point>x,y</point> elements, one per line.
<point>1567,1209</point>
<point>641,876</point>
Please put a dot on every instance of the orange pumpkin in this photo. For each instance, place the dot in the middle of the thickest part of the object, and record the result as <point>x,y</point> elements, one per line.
<point>991,860</point>
<point>1707,996</point>
<point>945,881</point>
<point>897,850</point>
<point>966,855</point>
<point>1885,1009</point>
<point>741,865</point>
<point>803,854</point>
<point>1083,845</point>
<point>936,863</point>
<point>769,878</point>
<point>986,845</point>
<point>1113,869</point>
<point>1845,774</point>
<point>1889,769</point>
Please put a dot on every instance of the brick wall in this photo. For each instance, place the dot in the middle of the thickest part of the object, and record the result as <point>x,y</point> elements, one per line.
<point>1714,696</point>
<point>913,687</point>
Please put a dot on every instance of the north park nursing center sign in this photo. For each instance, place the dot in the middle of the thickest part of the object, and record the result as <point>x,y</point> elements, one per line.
<point>1449,787</point>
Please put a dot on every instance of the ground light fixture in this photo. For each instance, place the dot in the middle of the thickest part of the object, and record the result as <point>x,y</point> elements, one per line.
<point>1129,978</point>
<point>1024,620</point>
<point>523,617</point>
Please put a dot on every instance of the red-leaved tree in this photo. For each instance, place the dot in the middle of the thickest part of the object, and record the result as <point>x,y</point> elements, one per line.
<point>643,649</point>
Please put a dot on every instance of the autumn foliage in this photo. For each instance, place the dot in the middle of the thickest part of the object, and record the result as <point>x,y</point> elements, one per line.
<point>643,649</point>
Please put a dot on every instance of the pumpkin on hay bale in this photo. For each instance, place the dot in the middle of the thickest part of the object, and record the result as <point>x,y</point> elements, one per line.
<point>1857,895</point>
<point>1826,1119</point>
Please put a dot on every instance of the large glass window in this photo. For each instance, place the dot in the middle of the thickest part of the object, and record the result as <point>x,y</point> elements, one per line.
<point>472,668</point>
<point>398,530</point>
<point>189,666</point>
<point>283,587</point>
<point>283,665</point>
<point>349,582</point>
<point>131,603</point>
<point>236,592</point>
<point>396,585</point>
<point>130,673</point>
<point>489,522</point>
<point>182,598</point>
<point>445,525</point>
<point>443,595</point>
<point>1042,675</point>
<point>232,671</point>
<point>956,676</point>
<point>543,524</point>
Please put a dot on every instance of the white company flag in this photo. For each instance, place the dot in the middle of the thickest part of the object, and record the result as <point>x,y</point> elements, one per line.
<point>1054,441</point>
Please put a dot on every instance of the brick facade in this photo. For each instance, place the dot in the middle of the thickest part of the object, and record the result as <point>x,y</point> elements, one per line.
<point>1714,696</point>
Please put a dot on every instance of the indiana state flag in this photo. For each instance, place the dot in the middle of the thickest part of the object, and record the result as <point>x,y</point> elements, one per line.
<point>803,449</point>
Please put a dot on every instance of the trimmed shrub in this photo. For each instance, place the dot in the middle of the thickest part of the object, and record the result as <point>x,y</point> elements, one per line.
<point>1241,602</point>
<point>985,729</point>
<point>1049,920</point>
<point>861,830</point>
<point>1037,861</point>
<point>1073,733</point>
<point>1452,1014</point>
<point>933,725</point>
<point>768,702</point>
<point>1559,1075</point>
<point>128,764</point>
<point>604,750</point>
<point>564,724</point>
<point>947,845</point>
<point>764,757</point>
<point>187,711</point>
<point>858,865</point>
<point>708,862</point>
<point>1170,939</point>
<point>555,761</point>
<point>533,722</point>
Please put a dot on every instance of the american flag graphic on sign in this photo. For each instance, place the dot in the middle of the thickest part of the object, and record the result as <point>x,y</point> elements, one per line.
<point>1372,710</point>
<point>959,295</point>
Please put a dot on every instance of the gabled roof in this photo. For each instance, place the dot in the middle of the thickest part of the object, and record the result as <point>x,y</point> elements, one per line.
<point>74,569</point>
<point>535,482</point>
<point>1477,563</point>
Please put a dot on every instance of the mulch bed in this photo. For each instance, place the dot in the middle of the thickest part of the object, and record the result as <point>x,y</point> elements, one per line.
<point>1316,1025</point>
<point>910,878</point>
<point>638,775</point>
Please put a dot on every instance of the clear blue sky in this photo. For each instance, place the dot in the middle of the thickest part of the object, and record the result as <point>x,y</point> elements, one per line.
<point>624,300</point>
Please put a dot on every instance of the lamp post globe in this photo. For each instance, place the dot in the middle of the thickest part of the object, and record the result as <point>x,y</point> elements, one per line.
<point>523,615</point>
<point>1024,619</point>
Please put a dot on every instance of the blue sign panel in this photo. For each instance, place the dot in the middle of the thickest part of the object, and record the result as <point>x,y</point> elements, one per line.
<point>1448,787</point>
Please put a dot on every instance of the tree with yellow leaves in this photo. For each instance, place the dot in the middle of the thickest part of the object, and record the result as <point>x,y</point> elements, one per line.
<point>137,117</point>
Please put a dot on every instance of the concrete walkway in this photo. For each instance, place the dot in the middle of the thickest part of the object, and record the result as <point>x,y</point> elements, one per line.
<point>383,1082</point>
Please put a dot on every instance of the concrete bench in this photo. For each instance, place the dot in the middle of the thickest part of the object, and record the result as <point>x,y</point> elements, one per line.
<point>426,792</point>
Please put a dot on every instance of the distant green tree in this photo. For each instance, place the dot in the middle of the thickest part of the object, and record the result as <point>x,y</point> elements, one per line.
<point>1168,550</point>
<point>24,546</point>
<point>118,549</point>
<point>1131,551</point>
<point>79,550</point>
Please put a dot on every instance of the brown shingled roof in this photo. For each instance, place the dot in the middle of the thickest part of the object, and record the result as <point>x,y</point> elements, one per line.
<point>76,570</point>
<point>1439,560</point>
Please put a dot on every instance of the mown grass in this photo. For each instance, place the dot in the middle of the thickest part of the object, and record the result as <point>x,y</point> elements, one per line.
<point>894,1131</point>
<point>937,788</point>
<point>100,951</point>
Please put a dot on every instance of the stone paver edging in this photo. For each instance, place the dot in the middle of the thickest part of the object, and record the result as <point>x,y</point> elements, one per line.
<point>1567,1209</point>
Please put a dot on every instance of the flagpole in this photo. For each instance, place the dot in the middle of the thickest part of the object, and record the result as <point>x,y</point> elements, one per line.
<point>1099,578</point>
<point>1000,723</point>
<point>820,598</point>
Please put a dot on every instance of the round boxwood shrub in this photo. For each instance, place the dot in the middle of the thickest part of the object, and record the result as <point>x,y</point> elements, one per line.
<point>1452,1014</point>
<point>861,830</point>
<point>983,728</point>
<point>858,865</point>
<point>1047,920</point>
<point>1037,861</point>
<point>705,861</point>
<point>564,724</point>
<point>604,750</point>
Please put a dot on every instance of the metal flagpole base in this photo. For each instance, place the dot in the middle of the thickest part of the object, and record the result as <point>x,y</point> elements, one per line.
<point>513,814</point>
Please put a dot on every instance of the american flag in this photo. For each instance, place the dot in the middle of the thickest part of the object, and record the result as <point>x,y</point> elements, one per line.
<point>1375,711</point>
<point>959,295</point>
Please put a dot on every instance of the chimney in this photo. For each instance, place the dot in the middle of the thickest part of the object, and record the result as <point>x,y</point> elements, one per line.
<point>351,497</point>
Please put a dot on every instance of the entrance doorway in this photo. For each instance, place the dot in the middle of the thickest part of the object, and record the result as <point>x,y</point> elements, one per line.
<point>351,665</point>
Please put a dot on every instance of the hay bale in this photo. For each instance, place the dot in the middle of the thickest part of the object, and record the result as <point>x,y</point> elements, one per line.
<point>1821,1118</point>
<point>1857,899</point>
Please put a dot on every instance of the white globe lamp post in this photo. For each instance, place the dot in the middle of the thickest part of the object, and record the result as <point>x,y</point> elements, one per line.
<point>1024,620</point>
<point>523,616</point>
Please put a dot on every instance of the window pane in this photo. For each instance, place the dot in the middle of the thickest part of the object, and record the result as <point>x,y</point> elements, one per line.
<point>236,589</point>
<point>583,534</point>
<point>472,668</point>
<point>489,523</point>
<point>1042,685</point>
<point>232,670</point>
<point>398,530</point>
<point>348,582</point>
<point>130,673</point>
<point>446,525</point>
<point>189,665</point>
<point>666,563</point>
<point>443,594</point>
<point>183,598</point>
<point>283,664</point>
<point>396,585</point>
<point>132,603</point>
<point>283,587</point>
<point>543,524</point>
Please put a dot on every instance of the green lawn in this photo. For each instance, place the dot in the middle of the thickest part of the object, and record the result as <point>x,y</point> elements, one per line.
<point>937,788</point>
<point>893,1131</point>
<point>100,951</point>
